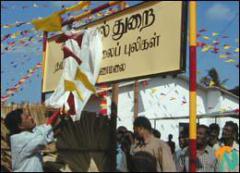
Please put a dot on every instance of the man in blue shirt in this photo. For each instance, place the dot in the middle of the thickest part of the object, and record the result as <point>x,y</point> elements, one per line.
<point>27,140</point>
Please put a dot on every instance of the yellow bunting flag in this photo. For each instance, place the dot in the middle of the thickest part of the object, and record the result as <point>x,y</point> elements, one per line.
<point>226,47</point>
<point>211,83</point>
<point>13,35</point>
<point>230,60</point>
<point>79,6</point>
<point>6,26</point>
<point>205,37</point>
<point>215,34</point>
<point>70,86</point>
<point>53,22</point>
<point>236,50</point>
<point>84,79</point>
<point>223,56</point>
<point>207,48</point>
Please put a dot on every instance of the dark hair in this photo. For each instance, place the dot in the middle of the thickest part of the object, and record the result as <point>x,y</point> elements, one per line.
<point>170,136</point>
<point>234,127</point>
<point>230,123</point>
<point>214,127</point>
<point>122,129</point>
<point>144,162</point>
<point>205,127</point>
<point>156,133</point>
<point>142,122</point>
<point>13,120</point>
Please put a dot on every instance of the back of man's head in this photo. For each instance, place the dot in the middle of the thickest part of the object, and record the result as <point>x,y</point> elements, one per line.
<point>13,120</point>
<point>214,127</point>
<point>142,122</point>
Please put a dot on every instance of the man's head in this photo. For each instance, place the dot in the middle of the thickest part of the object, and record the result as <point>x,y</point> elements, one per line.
<point>202,136</point>
<point>141,126</point>
<point>229,131</point>
<point>170,136</point>
<point>18,121</point>
<point>120,133</point>
<point>213,134</point>
<point>183,140</point>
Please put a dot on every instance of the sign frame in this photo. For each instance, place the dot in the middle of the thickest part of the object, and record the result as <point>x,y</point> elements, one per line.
<point>183,42</point>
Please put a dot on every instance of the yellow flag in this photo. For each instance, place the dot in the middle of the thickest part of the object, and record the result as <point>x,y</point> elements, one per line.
<point>6,26</point>
<point>230,60</point>
<point>78,6</point>
<point>205,37</point>
<point>84,79</point>
<point>223,56</point>
<point>52,23</point>
<point>226,47</point>
<point>236,50</point>
<point>215,34</point>
<point>211,83</point>
<point>70,86</point>
<point>13,35</point>
<point>207,48</point>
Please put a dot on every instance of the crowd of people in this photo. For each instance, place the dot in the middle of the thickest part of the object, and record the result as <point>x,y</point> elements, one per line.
<point>140,151</point>
<point>144,151</point>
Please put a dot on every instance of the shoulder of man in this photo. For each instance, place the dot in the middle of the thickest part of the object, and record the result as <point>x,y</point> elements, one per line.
<point>20,139</point>
<point>163,144</point>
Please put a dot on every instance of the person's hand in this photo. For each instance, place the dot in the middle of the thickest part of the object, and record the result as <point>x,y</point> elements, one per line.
<point>57,122</point>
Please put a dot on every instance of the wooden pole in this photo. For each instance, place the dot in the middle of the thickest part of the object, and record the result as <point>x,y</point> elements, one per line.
<point>192,86</point>
<point>45,36</point>
<point>114,112</point>
<point>136,95</point>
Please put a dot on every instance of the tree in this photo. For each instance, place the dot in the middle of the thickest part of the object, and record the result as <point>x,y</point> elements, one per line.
<point>235,90</point>
<point>212,79</point>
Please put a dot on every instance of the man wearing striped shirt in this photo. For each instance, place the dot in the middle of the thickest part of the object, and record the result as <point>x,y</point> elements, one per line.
<point>206,160</point>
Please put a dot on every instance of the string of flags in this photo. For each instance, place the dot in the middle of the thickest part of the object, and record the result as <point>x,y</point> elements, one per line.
<point>35,5</point>
<point>12,90</point>
<point>103,100</point>
<point>212,44</point>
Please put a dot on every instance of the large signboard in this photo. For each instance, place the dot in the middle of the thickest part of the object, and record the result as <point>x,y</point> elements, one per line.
<point>144,40</point>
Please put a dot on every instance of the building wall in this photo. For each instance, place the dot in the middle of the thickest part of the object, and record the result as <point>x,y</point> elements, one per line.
<point>168,97</point>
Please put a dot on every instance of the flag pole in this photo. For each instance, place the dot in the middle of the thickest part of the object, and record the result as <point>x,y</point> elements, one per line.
<point>192,84</point>
<point>45,36</point>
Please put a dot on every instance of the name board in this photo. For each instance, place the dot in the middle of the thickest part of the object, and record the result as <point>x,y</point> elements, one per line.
<point>141,41</point>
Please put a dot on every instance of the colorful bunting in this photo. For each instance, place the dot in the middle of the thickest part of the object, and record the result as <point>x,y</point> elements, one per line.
<point>12,90</point>
<point>230,60</point>
<point>215,34</point>
<point>226,47</point>
<point>103,100</point>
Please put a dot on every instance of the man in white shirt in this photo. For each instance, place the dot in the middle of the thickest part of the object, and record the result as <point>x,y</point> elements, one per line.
<point>27,140</point>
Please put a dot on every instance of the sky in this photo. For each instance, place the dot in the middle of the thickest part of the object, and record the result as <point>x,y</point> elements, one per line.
<point>212,16</point>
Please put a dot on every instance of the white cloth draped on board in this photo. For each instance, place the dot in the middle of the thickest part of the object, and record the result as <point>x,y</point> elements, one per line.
<point>82,59</point>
